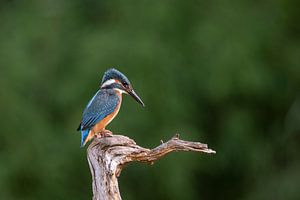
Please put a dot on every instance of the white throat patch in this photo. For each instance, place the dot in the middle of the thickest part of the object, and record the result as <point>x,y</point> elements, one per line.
<point>108,82</point>
<point>121,91</point>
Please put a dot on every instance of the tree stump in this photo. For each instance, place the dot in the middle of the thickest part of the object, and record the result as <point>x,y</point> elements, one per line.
<point>107,156</point>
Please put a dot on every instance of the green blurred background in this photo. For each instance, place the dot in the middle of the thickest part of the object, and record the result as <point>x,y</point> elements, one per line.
<point>226,73</point>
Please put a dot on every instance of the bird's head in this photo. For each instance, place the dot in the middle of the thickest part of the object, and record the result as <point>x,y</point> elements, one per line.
<point>114,79</point>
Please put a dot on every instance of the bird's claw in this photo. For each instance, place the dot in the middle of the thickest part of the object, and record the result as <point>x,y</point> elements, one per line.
<point>105,133</point>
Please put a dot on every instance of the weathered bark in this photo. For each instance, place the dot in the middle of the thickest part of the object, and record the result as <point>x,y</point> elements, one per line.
<point>107,156</point>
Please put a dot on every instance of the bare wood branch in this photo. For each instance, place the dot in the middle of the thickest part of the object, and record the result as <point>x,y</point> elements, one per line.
<point>107,157</point>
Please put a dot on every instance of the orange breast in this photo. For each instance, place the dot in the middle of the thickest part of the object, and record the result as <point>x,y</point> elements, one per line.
<point>105,121</point>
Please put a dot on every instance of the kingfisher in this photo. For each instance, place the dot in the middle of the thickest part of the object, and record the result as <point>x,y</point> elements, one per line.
<point>105,105</point>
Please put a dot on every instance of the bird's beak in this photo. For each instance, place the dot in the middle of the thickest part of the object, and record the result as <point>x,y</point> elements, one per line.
<point>136,97</point>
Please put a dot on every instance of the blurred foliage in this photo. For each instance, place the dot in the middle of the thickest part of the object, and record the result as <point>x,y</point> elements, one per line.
<point>226,73</point>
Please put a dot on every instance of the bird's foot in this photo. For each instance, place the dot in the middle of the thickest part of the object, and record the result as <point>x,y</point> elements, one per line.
<point>104,133</point>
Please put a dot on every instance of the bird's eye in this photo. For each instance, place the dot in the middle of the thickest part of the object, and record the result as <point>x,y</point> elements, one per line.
<point>125,84</point>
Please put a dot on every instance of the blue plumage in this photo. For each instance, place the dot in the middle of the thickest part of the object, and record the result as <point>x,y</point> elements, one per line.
<point>115,74</point>
<point>84,134</point>
<point>102,104</point>
<point>105,104</point>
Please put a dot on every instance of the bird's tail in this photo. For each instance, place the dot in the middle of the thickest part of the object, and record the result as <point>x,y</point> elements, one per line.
<point>84,135</point>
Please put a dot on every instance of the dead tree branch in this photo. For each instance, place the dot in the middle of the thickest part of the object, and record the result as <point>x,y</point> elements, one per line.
<point>107,157</point>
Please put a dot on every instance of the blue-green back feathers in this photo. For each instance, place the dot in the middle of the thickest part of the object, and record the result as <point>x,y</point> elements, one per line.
<point>102,104</point>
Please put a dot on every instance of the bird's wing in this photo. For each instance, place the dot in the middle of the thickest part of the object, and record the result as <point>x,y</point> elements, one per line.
<point>102,104</point>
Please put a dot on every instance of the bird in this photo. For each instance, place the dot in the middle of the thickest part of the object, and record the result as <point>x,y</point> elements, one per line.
<point>105,105</point>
